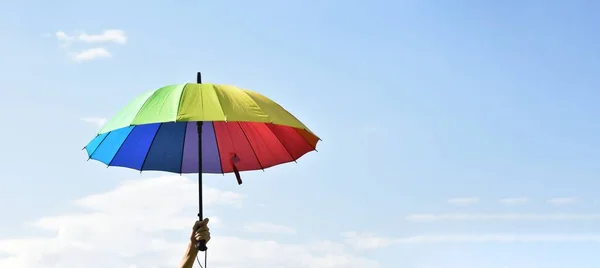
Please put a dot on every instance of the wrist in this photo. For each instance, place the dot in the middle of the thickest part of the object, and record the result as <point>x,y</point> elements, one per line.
<point>192,247</point>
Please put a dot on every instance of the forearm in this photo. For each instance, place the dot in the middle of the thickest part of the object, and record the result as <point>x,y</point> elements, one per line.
<point>189,257</point>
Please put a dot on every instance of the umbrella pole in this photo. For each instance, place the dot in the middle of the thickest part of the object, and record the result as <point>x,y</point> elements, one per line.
<point>201,245</point>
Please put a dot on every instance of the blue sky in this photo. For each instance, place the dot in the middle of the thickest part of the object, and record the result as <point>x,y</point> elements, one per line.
<point>480,114</point>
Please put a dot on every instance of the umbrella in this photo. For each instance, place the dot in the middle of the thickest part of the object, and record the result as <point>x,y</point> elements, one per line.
<point>201,128</point>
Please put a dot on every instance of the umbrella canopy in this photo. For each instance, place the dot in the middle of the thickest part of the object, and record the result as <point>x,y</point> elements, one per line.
<point>201,128</point>
<point>241,130</point>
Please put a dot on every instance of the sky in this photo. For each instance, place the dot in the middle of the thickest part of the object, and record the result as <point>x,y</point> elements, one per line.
<point>456,134</point>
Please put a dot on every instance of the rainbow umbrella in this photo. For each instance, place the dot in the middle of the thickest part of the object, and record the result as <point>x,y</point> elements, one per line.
<point>201,128</point>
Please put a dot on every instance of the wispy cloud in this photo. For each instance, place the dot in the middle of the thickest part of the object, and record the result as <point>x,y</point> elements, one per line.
<point>367,240</point>
<point>463,201</point>
<point>97,121</point>
<point>514,200</point>
<point>503,217</point>
<point>107,36</point>
<point>371,241</point>
<point>91,54</point>
<point>502,238</point>
<point>265,227</point>
<point>64,38</point>
<point>113,35</point>
<point>562,201</point>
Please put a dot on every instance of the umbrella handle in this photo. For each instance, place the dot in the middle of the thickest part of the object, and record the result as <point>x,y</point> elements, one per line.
<point>201,245</point>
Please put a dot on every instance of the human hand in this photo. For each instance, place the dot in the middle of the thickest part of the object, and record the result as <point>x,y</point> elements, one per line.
<point>200,232</point>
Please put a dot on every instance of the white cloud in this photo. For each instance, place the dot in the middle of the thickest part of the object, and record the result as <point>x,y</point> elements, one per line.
<point>265,227</point>
<point>91,54</point>
<point>158,195</point>
<point>107,36</point>
<point>64,38</point>
<point>503,217</point>
<point>114,35</point>
<point>463,201</point>
<point>363,241</point>
<point>514,200</point>
<point>561,201</point>
<point>373,242</point>
<point>97,121</point>
<point>146,223</point>
<point>501,238</point>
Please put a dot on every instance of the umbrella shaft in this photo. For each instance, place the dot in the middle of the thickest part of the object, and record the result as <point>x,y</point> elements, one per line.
<point>200,245</point>
<point>200,216</point>
<point>199,124</point>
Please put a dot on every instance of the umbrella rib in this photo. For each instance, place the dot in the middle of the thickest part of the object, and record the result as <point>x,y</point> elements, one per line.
<point>307,142</point>
<point>220,106</point>
<point>261,108</point>
<point>218,150</point>
<point>282,145</point>
<point>103,139</point>
<point>251,147</point>
<point>121,146</point>
<point>185,130</point>
<point>150,147</point>
<point>183,148</point>
<point>261,138</point>
<point>141,108</point>
<point>180,101</point>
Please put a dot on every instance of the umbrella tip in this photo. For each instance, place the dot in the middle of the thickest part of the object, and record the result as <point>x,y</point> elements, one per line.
<point>199,78</point>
